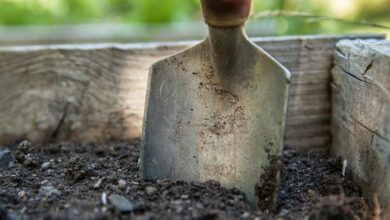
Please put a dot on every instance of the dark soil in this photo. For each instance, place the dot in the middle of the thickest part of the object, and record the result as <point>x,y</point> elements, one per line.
<point>67,181</point>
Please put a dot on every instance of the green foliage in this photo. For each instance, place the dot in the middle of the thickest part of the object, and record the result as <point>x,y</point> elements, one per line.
<point>292,25</point>
<point>160,11</point>
<point>13,12</point>
<point>27,12</point>
<point>16,14</point>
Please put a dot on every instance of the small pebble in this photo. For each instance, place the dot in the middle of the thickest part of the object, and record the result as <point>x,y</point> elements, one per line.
<point>30,161</point>
<point>184,196</point>
<point>121,203</point>
<point>150,190</point>
<point>104,198</point>
<point>25,146</point>
<point>283,212</point>
<point>11,165</point>
<point>345,164</point>
<point>22,194</point>
<point>6,158</point>
<point>98,183</point>
<point>199,205</point>
<point>49,191</point>
<point>239,197</point>
<point>311,193</point>
<point>45,165</point>
<point>122,184</point>
<point>245,215</point>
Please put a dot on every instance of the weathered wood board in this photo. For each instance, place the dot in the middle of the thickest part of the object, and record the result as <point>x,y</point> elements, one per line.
<point>86,93</point>
<point>361,114</point>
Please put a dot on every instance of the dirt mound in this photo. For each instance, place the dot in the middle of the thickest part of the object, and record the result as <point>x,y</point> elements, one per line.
<point>67,181</point>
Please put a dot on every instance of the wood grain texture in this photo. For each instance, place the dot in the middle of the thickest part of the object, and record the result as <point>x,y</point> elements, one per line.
<point>86,93</point>
<point>361,114</point>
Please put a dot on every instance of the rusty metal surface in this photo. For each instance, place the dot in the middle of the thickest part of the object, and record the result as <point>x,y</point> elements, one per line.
<point>217,111</point>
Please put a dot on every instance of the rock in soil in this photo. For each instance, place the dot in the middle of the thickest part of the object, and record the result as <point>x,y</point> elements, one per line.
<point>26,156</point>
<point>23,149</point>
<point>122,184</point>
<point>6,157</point>
<point>81,174</point>
<point>150,190</point>
<point>77,170</point>
<point>121,203</point>
<point>49,191</point>
<point>45,165</point>
<point>98,183</point>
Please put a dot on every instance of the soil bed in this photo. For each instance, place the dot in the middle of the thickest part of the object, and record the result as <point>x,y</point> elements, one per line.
<point>67,181</point>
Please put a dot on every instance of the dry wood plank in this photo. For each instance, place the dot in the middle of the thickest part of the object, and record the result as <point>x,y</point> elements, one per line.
<point>307,131</point>
<point>86,93</point>
<point>309,143</point>
<point>361,114</point>
<point>310,77</point>
<point>304,120</point>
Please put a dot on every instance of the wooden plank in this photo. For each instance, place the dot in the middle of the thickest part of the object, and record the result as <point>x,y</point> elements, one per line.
<point>85,93</point>
<point>309,77</point>
<point>307,131</point>
<point>308,110</point>
<point>304,120</point>
<point>361,114</point>
<point>302,100</point>
<point>309,89</point>
<point>309,143</point>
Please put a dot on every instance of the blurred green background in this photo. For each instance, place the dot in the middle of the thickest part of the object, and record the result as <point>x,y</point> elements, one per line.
<point>165,12</point>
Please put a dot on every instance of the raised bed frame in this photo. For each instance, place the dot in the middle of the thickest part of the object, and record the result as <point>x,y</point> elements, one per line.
<point>85,93</point>
<point>94,93</point>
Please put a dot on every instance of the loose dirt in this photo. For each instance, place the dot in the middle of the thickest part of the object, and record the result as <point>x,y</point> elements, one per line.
<point>68,181</point>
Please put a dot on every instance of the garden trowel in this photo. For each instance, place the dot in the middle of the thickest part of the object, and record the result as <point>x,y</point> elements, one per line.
<point>217,111</point>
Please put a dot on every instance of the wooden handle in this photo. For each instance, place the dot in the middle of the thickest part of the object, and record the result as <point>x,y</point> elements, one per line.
<point>226,13</point>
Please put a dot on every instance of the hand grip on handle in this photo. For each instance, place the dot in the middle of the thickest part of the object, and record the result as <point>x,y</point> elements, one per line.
<point>225,13</point>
